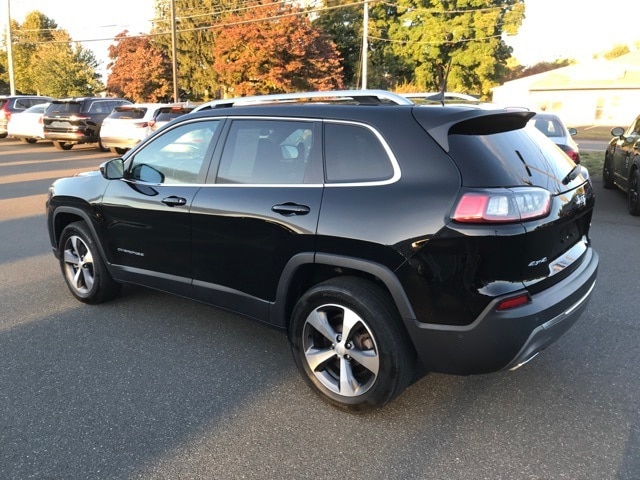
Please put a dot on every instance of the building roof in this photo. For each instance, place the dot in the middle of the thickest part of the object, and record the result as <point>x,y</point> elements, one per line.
<point>599,74</point>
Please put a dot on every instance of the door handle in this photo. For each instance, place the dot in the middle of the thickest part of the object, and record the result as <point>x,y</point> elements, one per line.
<point>288,209</point>
<point>174,201</point>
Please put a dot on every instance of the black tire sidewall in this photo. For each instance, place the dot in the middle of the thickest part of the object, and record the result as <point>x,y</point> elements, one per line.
<point>607,173</point>
<point>104,286</point>
<point>395,353</point>
<point>634,208</point>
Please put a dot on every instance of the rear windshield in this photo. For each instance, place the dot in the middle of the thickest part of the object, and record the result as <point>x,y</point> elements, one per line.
<point>124,113</point>
<point>514,158</point>
<point>551,127</point>
<point>64,107</point>
<point>167,115</point>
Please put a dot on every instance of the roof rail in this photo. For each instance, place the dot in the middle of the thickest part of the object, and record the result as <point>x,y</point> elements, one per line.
<point>360,97</point>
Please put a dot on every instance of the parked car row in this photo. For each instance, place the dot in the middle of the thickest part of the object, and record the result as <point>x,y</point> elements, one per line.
<point>112,123</point>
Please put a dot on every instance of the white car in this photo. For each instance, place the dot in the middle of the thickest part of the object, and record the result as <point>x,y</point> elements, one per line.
<point>27,126</point>
<point>169,112</point>
<point>127,125</point>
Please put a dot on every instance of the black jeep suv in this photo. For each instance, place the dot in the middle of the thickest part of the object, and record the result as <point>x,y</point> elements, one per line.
<point>70,121</point>
<point>387,239</point>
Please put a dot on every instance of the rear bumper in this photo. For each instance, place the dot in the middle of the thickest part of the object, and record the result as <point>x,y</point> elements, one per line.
<point>499,340</point>
<point>70,137</point>
<point>116,142</point>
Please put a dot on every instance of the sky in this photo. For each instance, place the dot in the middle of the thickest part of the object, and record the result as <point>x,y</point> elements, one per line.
<point>552,29</point>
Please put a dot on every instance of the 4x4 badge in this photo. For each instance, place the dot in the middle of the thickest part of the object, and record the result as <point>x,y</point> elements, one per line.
<point>538,262</point>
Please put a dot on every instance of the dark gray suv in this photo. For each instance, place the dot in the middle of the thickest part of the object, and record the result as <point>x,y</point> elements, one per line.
<point>387,239</point>
<point>71,121</point>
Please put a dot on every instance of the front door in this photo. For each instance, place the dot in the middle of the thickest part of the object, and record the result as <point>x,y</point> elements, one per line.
<point>146,214</point>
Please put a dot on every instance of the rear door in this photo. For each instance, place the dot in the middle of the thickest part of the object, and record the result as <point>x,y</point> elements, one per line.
<point>259,210</point>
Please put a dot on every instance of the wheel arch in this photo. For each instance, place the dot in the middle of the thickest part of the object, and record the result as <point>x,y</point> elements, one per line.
<point>308,269</point>
<point>66,215</point>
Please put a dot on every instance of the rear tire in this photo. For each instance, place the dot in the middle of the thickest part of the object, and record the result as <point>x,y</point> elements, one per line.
<point>82,266</point>
<point>632,192</point>
<point>118,150</point>
<point>349,345</point>
<point>63,145</point>
<point>28,140</point>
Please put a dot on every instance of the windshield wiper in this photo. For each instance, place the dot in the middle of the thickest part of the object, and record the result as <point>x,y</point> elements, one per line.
<point>571,175</point>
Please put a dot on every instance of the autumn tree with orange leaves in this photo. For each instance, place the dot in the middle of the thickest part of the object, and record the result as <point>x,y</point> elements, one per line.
<point>139,71</point>
<point>274,48</point>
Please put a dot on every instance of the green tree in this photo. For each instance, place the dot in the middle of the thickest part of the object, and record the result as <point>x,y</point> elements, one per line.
<point>48,62</point>
<point>413,42</point>
<point>63,68</point>
<point>616,51</point>
<point>36,29</point>
<point>342,21</point>
<point>274,49</point>
<point>430,35</point>
<point>139,71</point>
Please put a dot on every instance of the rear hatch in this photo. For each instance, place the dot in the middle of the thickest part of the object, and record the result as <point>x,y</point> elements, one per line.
<point>124,121</point>
<point>63,116</point>
<point>515,166</point>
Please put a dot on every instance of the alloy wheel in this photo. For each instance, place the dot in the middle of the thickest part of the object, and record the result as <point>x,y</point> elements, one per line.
<point>340,350</point>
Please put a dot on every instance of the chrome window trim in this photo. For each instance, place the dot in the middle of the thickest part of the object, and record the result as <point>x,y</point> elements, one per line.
<point>397,174</point>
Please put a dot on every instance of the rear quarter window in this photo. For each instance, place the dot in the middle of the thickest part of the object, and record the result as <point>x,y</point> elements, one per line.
<point>515,158</point>
<point>353,153</point>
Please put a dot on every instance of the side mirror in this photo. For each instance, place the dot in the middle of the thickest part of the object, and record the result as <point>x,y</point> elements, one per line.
<point>617,132</point>
<point>113,169</point>
<point>572,131</point>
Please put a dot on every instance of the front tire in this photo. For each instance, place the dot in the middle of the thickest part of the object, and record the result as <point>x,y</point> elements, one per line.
<point>607,173</point>
<point>634,197</point>
<point>62,145</point>
<point>82,266</point>
<point>349,345</point>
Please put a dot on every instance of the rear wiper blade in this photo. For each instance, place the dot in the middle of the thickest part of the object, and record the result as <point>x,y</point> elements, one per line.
<point>571,175</point>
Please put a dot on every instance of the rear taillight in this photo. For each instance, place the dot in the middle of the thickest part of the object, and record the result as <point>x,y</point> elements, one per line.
<point>502,205</point>
<point>513,302</point>
<point>141,124</point>
<point>152,123</point>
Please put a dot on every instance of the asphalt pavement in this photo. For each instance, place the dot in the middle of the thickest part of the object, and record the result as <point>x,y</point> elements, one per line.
<point>152,386</point>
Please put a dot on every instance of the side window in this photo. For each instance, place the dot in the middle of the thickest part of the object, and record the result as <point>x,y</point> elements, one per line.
<point>266,152</point>
<point>22,103</point>
<point>177,156</point>
<point>354,154</point>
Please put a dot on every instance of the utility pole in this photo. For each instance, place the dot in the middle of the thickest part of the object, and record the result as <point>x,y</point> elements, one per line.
<point>365,43</point>
<point>12,80</point>
<point>176,97</point>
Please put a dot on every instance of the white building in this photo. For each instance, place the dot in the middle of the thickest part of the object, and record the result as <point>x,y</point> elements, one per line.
<point>597,92</point>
